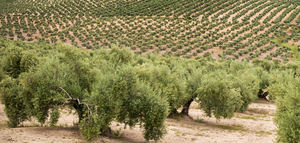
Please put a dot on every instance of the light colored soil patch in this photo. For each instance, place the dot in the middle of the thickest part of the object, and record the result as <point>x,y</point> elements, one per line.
<point>255,125</point>
<point>278,14</point>
<point>236,13</point>
<point>267,14</point>
<point>260,12</point>
<point>289,14</point>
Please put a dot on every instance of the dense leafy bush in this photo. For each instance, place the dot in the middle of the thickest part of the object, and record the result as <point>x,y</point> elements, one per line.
<point>286,91</point>
<point>37,83</point>
<point>216,95</point>
<point>128,100</point>
<point>11,95</point>
<point>165,83</point>
<point>238,76</point>
<point>248,84</point>
<point>103,86</point>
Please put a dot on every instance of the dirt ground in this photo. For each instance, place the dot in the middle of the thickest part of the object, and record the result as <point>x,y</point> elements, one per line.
<point>254,126</point>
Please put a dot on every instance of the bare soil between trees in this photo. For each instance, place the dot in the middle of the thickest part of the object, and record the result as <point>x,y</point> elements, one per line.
<point>254,126</point>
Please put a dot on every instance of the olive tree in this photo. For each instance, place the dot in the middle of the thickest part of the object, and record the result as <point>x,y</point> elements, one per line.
<point>286,94</point>
<point>68,77</point>
<point>217,95</point>
<point>164,82</point>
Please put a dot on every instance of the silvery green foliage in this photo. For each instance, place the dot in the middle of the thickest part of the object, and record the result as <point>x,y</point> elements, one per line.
<point>217,96</point>
<point>11,97</point>
<point>38,80</point>
<point>285,90</point>
<point>165,83</point>
<point>123,97</point>
<point>101,88</point>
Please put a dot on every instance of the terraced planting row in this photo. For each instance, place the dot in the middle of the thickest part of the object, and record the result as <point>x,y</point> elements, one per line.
<point>236,29</point>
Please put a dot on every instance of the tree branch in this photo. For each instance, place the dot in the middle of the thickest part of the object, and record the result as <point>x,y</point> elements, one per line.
<point>76,99</point>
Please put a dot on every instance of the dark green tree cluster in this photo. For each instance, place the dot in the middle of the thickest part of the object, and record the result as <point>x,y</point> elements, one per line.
<point>224,87</point>
<point>38,80</point>
<point>282,82</point>
<point>285,90</point>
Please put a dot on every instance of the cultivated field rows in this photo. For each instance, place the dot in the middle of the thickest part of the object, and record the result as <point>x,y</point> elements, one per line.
<point>237,29</point>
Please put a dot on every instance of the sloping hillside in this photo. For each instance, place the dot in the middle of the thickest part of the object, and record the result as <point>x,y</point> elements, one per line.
<point>237,29</point>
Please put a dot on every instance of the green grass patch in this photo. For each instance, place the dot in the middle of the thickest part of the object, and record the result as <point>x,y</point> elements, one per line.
<point>199,120</point>
<point>264,133</point>
<point>232,127</point>
<point>30,125</point>
<point>199,135</point>
<point>248,118</point>
<point>117,134</point>
<point>3,124</point>
<point>293,48</point>
<point>258,111</point>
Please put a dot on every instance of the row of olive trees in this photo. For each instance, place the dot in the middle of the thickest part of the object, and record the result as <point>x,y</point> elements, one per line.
<point>38,80</point>
<point>282,81</point>
<point>101,87</point>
